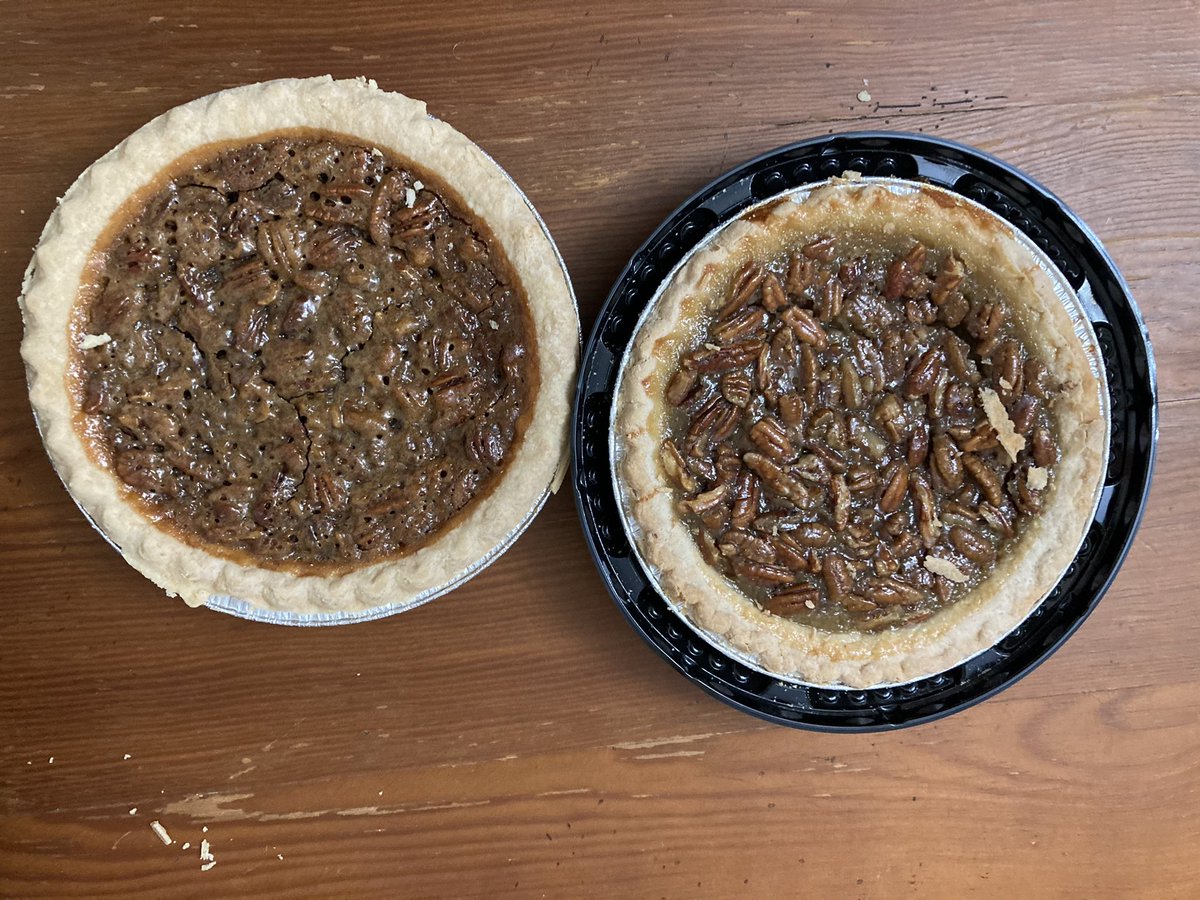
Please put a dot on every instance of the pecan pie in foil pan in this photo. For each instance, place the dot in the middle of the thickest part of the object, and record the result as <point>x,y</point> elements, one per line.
<point>302,352</point>
<point>861,433</point>
<point>802,487</point>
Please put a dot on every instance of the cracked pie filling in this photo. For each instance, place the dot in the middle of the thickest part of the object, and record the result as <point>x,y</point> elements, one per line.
<point>312,354</point>
<point>856,412</point>
<point>301,347</point>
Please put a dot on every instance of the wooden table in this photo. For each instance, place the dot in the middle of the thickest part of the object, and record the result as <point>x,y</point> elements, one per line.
<point>517,737</point>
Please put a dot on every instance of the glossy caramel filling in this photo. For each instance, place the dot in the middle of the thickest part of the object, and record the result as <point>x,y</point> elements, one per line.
<point>859,433</point>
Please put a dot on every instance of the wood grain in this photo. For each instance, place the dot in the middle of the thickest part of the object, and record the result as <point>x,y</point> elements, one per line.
<point>516,737</point>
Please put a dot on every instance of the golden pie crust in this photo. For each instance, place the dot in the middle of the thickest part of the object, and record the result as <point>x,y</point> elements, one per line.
<point>1021,578</point>
<point>357,110</point>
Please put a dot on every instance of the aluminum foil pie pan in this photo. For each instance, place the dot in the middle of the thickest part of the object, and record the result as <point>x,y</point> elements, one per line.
<point>235,606</point>
<point>1107,322</point>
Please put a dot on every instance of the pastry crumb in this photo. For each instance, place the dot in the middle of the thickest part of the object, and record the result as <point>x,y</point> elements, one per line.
<point>864,96</point>
<point>945,568</point>
<point>91,341</point>
<point>1012,442</point>
<point>410,197</point>
<point>157,828</point>
<point>1038,478</point>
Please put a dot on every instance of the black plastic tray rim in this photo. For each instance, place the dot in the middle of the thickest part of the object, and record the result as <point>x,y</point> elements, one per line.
<point>839,709</point>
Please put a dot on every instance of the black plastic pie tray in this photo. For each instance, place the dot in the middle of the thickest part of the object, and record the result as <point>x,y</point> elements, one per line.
<point>1124,347</point>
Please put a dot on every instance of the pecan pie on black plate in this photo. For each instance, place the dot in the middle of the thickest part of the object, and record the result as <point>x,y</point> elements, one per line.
<point>300,344</point>
<point>858,436</point>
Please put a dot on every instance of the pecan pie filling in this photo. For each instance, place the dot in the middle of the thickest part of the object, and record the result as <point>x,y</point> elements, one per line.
<point>306,352</point>
<point>859,433</point>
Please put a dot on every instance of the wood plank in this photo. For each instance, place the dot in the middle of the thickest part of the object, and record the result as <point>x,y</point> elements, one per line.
<point>831,813</point>
<point>517,737</point>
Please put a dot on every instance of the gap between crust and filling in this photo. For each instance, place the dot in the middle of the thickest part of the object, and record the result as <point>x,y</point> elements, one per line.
<point>305,353</point>
<point>859,433</point>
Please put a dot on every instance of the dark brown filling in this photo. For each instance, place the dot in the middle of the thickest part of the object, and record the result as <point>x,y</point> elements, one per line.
<point>317,355</point>
<point>830,438</point>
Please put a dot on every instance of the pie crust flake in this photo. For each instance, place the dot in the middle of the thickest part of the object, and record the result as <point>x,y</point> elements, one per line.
<point>375,357</point>
<point>865,565</point>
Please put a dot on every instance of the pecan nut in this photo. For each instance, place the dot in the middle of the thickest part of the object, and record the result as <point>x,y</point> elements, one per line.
<point>709,500</point>
<point>928,524</point>
<point>895,478</point>
<point>763,573</point>
<point>987,479</point>
<point>839,500</point>
<point>791,409</point>
<point>773,296</point>
<point>902,272</point>
<point>721,359</point>
<point>805,327</point>
<point>946,462</point>
<point>1024,413</point>
<point>776,479</point>
<point>676,468</point>
<point>1008,364</point>
<point>949,276</point>
<point>861,479</point>
<point>736,388</point>
<point>820,248</point>
<point>793,600</point>
<point>745,283</point>
<point>771,438</point>
<point>735,543</point>
<point>918,444</point>
<point>800,274</point>
<point>789,552</point>
<point>838,577</point>
<point>924,374</point>
<point>746,494</point>
<point>808,372</point>
<point>891,418</point>
<point>852,392</point>
<point>1044,448</point>
<point>681,386</point>
<point>985,325</point>
<point>740,324</point>
<point>972,545</point>
<point>891,591</point>
<point>831,300</point>
<point>725,422</point>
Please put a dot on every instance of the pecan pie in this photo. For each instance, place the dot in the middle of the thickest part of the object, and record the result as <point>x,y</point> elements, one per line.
<point>299,344</point>
<point>858,436</point>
